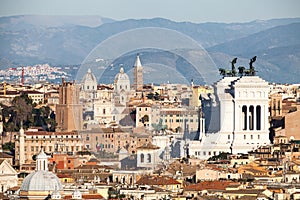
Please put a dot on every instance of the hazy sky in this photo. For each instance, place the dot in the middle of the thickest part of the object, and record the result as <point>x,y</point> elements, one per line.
<point>177,10</point>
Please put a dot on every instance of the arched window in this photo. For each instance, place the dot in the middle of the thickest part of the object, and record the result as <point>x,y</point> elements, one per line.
<point>258,118</point>
<point>44,164</point>
<point>251,117</point>
<point>149,158</point>
<point>244,117</point>
<point>142,158</point>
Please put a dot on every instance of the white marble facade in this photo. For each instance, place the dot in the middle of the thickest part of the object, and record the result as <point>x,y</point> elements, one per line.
<point>237,116</point>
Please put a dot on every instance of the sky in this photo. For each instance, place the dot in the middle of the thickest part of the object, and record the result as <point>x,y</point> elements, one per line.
<point>197,11</point>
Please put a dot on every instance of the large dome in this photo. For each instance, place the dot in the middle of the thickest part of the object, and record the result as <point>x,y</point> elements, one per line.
<point>41,181</point>
<point>89,81</point>
<point>122,76</point>
<point>89,76</point>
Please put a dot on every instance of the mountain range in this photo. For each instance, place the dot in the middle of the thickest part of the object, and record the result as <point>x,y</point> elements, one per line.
<point>68,40</point>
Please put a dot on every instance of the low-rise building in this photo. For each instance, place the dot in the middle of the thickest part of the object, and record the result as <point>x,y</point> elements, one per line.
<point>162,182</point>
<point>8,176</point>
<point>53,142</point>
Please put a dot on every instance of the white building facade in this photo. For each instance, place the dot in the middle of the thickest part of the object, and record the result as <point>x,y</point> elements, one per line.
<point>237,116</point>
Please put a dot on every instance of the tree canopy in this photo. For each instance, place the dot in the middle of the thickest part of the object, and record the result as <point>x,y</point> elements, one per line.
<point>23,110</point>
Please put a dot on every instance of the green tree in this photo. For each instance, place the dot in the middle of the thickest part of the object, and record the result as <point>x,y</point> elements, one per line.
<point>221,156</point>
<point>21,111</point>
<point>159,126</point>
<point>10,146</point>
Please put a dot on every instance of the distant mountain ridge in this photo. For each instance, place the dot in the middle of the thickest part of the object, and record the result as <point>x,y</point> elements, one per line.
<point>62,40</point>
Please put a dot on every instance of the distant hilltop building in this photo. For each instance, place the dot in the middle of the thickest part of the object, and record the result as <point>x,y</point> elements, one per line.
<point>236,116</point>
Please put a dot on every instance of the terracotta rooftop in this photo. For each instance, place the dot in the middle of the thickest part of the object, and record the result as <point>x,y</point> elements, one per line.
<point>91,167</point>
<point>245,191</point>
<point>64,175</point>
<point>86,196</point>
<point>144,105</point>
<point>187,169</point>
<point>218,185</point>
<point>148,145</point>
<point>5,155</point>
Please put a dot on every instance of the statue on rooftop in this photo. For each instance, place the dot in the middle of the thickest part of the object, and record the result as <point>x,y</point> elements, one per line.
<point>252,70</point>
<point>231,72</point>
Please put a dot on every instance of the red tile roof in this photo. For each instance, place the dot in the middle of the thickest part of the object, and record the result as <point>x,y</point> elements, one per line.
<point>205,185</point>
<point>87,196</point>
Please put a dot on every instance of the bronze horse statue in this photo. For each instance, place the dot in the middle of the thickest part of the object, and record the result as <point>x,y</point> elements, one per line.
<point>231,72</point>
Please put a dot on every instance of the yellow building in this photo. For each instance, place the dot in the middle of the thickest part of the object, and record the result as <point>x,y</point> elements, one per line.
<point>180,119</point>
<point>63,142</point>
<point>197,91</point>
<point>36,96</point>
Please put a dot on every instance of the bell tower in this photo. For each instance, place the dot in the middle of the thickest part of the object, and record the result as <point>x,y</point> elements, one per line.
<point>138,74</point>
<point>22,146</point>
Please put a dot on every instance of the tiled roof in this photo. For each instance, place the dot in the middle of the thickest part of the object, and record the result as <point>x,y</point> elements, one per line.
<point>148,145</point>
<point>15,188</point>
<point>156,180</point>
<point>245,191</point>
<point>144,105</point>
<point>187,169</point>
<point>5,155</point>
<point>90,167</point>
<point>50,133</point>
<point>218,185</point>
<point>86,196</point>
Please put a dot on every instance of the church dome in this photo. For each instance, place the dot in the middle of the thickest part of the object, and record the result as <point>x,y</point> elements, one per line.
<point>41,181</point>
<point>89,81</point>
<point>121,76</point>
